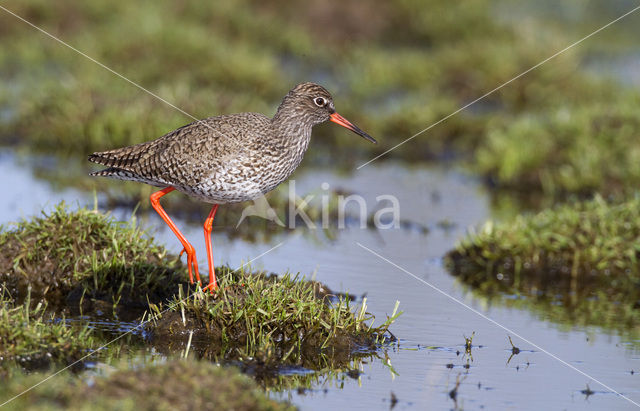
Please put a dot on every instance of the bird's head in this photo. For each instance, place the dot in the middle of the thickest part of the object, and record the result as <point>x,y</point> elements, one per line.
<point>312,101</point>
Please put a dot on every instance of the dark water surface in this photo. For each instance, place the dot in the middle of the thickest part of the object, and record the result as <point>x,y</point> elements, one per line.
<point>429,357</point>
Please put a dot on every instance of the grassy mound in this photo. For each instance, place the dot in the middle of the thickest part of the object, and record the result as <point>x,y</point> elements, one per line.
<point>270,320</point>
<point>570,150</point>
<point>73,256</point>
<point>580,261</point>
<point>82,257</point>
<point>193,385</point>
<point>32,339</point>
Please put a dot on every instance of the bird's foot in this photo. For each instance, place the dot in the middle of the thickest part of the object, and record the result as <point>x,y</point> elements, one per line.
<point>192,263</point>
<point>212,287</point>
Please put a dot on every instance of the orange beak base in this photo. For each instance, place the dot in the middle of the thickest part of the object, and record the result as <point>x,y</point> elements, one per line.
<point>338,119</point>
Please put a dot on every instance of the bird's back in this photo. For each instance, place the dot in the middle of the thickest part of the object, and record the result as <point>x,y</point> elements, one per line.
<point>218,159</point>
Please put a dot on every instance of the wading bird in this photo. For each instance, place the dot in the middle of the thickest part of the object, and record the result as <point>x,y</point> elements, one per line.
<point>225,159</point>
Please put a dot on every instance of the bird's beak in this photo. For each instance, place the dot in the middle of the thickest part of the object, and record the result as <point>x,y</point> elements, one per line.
<point>338,119</point>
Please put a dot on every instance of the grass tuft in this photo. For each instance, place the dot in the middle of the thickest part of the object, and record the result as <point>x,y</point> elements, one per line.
<point>576,263</point>
<point>76,256</point>
<point>566,150</point>
<point>83,258</point>
<point>271,320</point>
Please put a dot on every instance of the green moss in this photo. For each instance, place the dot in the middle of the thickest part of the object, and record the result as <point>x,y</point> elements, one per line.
<point>79,255</point>
<point>577,263</point>
<point>571,150</point>
<point>31,339</point>
<point>270,321</point>
<point>193,385</point>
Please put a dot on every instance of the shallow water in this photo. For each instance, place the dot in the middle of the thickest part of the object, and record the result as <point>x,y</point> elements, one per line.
<point>429,356</point>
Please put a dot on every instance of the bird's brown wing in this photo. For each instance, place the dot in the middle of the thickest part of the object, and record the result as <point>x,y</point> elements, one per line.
<point>183,152</point>
<point>125,157</point>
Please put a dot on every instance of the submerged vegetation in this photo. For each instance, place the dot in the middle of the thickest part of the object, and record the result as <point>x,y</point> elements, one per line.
<point>576,263</point>
<point>193,385</point>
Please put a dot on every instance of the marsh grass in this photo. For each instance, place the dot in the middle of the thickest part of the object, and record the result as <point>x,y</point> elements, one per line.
<point>31,338</point>
<point>84,259</point>
<point>271,321</point>
<point>560,131</point>
<point>78,256</point>
<point>405,71</point>
<point>193,385</point>
<point>567,150</point>
<point>576,264</point>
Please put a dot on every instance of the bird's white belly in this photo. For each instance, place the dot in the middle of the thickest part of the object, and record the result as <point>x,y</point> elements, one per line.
<point>233,184</point>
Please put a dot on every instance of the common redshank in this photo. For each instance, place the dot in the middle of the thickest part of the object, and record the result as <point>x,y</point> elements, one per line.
<point>225,159</point>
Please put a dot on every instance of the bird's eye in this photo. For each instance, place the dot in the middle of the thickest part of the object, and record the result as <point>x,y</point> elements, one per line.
<point>320,101</point>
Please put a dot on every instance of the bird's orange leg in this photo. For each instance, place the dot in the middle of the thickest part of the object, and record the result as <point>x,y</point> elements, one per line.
<point>188,248</point>
<point>208,226</point>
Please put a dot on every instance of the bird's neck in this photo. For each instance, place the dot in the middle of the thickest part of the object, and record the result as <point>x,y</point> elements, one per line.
<point>291,128</point>
<point>292,134</point>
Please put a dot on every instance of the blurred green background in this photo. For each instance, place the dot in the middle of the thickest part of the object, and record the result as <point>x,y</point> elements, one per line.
<point>567,131</point>
<point>567,128</point>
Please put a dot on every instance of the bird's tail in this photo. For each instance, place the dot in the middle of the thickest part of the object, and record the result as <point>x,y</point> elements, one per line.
<point>115,172</point>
